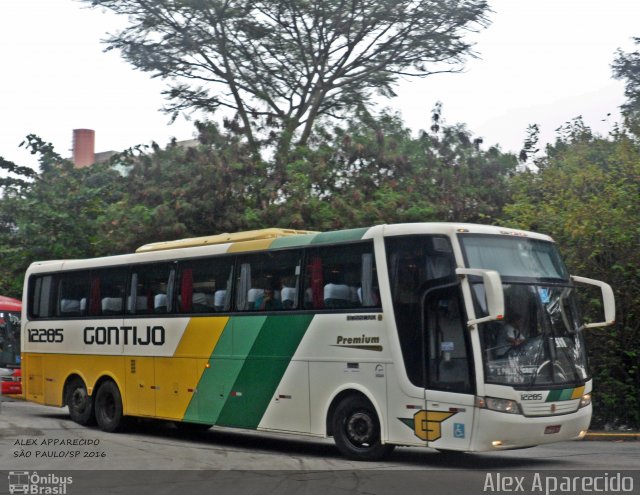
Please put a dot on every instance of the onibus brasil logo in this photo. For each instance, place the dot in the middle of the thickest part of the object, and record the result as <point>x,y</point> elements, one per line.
<point>33,483</point>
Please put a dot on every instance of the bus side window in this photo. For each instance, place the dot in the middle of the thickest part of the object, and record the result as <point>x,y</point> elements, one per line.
<point>151,289</point>
<point>73,294</point>
<point>268,281</point>
<point>341,277</point>
<point>203,285</point>
<point>40,296</point>
<point>108,289</point>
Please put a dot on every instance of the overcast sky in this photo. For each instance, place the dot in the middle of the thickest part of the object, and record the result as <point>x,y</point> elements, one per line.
<point>541,61</point>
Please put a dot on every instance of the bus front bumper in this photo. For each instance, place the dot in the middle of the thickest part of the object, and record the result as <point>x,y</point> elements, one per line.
<point>501,431</point>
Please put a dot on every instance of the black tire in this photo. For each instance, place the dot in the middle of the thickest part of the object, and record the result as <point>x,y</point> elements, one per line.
<point>356,430</point>
<point>108,407</point>
<point>80,402</point>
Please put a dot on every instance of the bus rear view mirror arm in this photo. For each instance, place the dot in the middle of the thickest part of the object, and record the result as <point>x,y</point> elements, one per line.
<point>493,292</point>
<point>608,301</point>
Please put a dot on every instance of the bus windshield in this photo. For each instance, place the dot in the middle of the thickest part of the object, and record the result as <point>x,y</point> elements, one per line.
<point>514,257</point>
<point>540,342</point>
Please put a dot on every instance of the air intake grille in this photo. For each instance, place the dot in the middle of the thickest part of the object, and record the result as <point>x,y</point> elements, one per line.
<point>550,408</point>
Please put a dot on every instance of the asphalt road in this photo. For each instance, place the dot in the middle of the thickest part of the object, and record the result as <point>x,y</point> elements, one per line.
<point>156,456</point>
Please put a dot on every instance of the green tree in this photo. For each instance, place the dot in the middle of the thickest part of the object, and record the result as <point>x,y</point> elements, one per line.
<point>183,191</point>
<point>279,66</point>
<point>585,195</point>
<point>373,170</point>
<point>50,214</point>
<point>627,66</point>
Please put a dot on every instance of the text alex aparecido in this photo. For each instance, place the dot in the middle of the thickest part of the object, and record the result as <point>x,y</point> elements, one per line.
<point>548,484</point>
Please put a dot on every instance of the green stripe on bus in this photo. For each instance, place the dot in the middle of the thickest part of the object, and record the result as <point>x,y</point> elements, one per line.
<point>340,236</point>
<point>292,241</point>
<point>245,369</point>
<point>246,330</point>
<point>558,395</point>
<point>566,394</point>
<point>263,370</point>
<point>553,395</point>
<point>225,365</point>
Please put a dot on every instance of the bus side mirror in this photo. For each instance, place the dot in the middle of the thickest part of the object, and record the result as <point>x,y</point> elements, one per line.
<point>493,292</point>
<point>608,301</point>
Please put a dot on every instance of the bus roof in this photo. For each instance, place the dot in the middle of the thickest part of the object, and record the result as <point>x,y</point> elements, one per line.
<point>250,235</point>
<point>392,229</point>
<point>272,238</point>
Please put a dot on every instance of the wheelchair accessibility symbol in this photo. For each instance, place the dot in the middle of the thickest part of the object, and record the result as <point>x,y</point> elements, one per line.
<point>458,430</point>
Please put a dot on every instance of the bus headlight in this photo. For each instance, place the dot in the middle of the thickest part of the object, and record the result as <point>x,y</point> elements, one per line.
<point>500,405</point>
<point>585,400</point>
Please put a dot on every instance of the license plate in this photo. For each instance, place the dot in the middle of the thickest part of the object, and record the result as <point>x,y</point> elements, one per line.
<point>549,430</point>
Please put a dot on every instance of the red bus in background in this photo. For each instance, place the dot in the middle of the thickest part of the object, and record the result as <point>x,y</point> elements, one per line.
<point>10,373</point>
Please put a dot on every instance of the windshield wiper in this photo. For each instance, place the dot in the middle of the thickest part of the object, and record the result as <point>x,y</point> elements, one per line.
<point>536,360</point>
<point>569,359</point>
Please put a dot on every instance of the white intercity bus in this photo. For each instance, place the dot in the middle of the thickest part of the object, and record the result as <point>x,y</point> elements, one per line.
<point>457,337</point>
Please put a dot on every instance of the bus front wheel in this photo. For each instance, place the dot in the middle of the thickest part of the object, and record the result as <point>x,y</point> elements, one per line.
<point>80,402</point>
<point>356,430</point>
<point>108,406</point>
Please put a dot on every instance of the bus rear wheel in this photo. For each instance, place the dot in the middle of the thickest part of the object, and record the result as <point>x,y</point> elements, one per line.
<point>356,430</point>
<point>108,407</point>
<point>80,402</point>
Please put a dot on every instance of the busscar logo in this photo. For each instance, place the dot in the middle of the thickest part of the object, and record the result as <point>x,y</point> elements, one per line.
<point>364,317</point>
<point>36,484</point>
<point>362,342</point>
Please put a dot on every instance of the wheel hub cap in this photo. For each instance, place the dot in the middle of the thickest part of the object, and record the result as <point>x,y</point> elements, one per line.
<point>360,427</point>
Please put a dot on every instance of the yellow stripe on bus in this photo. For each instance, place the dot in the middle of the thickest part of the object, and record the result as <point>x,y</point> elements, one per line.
<point>47,374</point>
<point>201,336</point>
<point>177,377</point>
<point>250,246</point>
<point>577,393</point>
<point>151,386</point>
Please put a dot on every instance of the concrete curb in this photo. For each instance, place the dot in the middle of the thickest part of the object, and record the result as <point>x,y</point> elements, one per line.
<point>611,436</point>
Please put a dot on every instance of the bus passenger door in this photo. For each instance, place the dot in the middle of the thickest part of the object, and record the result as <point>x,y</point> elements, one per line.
<point>449,392</point>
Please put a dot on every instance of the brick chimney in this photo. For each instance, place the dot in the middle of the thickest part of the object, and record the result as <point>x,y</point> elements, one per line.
<point>83,147</point>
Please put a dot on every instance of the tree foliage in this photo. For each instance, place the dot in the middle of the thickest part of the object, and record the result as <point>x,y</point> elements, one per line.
<point>53,214</point>
<point>280,66</point>
<point>627,66</point>
<point>373,170</point>
<point>184,191</point>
